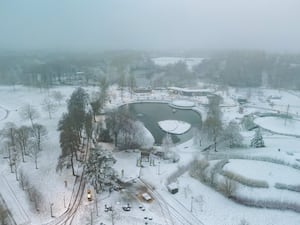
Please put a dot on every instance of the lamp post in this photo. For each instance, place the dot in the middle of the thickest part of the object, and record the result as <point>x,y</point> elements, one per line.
<point>96,202</point>
<point>158,168</point>
<point>51,211</point>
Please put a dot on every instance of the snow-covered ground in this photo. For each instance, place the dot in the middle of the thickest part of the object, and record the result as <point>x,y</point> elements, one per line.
<point>183,103</point>
<point>195,202</point>
<point>174,126</point>
<point>266,171</point>
<point>279,125</point>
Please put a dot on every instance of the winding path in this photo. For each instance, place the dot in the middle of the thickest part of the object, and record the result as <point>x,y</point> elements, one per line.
<point>6,113</point>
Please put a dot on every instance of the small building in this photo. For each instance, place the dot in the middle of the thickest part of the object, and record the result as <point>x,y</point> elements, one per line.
<point>173,188</point>
<point>143,90</point>
<point>190,92</point>
<point>145,155</point>
<point>242,100</point>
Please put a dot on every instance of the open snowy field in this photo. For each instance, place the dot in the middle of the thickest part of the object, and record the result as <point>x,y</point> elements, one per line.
<point>279,125</point>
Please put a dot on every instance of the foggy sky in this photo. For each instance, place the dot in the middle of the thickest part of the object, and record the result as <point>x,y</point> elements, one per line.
<point>150,24</point>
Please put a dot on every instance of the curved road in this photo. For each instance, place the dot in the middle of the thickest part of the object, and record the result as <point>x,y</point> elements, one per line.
<point>78,192</point>
<point>6,113</point>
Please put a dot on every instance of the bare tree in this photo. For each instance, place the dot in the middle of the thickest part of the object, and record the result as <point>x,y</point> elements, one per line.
<point>36,197</point>
<point>23,179</point>
<point>131,83</point>
<point>228,187</point>
<point>121,83</point>
<point>22,139</point>
<point>57,96</point>
<point>213,124</point>
<point>9,135</point>
<point>232,136</point>
<point>49,106</point>
<point>39,133</point>
<point>28,112</point>
<point>167,144</point>
<point>119,120</point>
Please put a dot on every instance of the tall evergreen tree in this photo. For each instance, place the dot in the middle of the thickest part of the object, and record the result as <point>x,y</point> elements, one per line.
<point>257,141</point>
<point>99,172</point>
<point>77,107</point>
<point>69,142</point>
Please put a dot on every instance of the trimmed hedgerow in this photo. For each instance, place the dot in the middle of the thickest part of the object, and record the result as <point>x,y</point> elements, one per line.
<point>269,204</point>
<point>245,181</point>
<point>289,187</point>
<point>257,158</point>
<point>197,169</point>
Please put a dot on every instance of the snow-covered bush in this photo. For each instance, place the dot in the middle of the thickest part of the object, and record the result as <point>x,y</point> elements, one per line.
<point>231,135</point>
<point>244,222</point>
<point>134,136</point>
<point>248,123</point>
<point>245,181</point>
<point>198,168</point>
<point>36,198</point>
<point>33,193</point>
<point>227,187</point>
<point>215,171</point>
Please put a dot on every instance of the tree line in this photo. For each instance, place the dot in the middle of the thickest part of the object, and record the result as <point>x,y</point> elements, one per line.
<point>251,69</point>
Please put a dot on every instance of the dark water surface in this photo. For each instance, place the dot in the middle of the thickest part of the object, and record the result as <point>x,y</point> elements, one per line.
<point>151,113</point>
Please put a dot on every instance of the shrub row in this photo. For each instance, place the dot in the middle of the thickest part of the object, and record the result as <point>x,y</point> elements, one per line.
<point>245,181</point>
<point>33,193</point>
<point>269,204</point>
<point>256,158</point>
<point>199,171</point>
<point>295,188</point>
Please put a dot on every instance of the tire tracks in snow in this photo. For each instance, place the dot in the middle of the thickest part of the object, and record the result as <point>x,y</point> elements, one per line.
<point>19,214</point>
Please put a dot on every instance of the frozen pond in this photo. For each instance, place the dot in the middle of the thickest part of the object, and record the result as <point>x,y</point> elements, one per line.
<point>152,113</point>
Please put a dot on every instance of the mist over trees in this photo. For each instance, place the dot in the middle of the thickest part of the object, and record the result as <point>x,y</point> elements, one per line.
<point>239,68</point>
<point>251,69</point>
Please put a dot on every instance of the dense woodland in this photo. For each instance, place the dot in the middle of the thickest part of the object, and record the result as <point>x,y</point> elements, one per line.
<point>234,68</point>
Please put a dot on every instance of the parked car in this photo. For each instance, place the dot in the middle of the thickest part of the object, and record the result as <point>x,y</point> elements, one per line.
<point>89,195</point>
<point>146,196</point>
